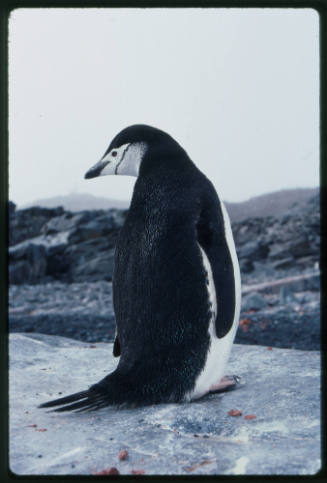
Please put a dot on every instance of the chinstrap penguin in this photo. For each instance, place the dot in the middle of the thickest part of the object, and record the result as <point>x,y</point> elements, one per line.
<point>176,280</point>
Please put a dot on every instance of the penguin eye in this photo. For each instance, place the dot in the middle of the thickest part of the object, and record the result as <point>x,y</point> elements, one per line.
<point>114,153</point>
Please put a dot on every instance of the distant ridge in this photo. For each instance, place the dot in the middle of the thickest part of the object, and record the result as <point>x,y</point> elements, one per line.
<point>79,202</point>
<point>270,204</point>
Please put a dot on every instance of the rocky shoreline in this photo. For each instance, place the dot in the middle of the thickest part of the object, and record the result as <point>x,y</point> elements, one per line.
<point>60,272</point>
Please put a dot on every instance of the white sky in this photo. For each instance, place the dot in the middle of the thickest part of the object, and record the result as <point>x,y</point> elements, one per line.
<point>238,88</point>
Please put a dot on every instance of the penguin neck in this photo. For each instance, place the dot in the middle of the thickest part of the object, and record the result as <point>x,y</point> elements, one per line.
<point>164,160</point>
<point>159,177</point>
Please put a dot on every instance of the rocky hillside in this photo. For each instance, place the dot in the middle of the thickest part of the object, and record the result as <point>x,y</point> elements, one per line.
<point>52,244</point>
<point>270,204</point>
<point>61,266</point>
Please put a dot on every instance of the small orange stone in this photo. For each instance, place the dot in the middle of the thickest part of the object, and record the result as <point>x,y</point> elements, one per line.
<point>250,416</point>
<point>244,324</point>
<point>235,412</point>
<point>269,348</point>
<point>109,471</point>
<point>122,455</point>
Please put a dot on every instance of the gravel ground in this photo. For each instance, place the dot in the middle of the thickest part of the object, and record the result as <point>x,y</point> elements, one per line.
<point>84,311</point>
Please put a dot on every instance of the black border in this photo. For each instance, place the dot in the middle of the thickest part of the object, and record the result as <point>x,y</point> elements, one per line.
<point>6,7</point>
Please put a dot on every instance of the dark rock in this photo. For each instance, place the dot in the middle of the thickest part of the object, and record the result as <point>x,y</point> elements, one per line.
<point>248,230</point>
<point>313,283</point>
<point>268,247</point>
<point>246,266</point>
<point>280,251</point>
<point>36,255</point>
<point>85,326</point>
<point>293,236</point>
<point>19,272</point>
<point>90,258</point>
<point>65,222</point>
<point>26,224</point>
<point>100,227</point>
<point>282,327</point>
<point>287,295</point>
<point>98,267</point>
<point>78,246</point>
<point>254,301</point>
<point>301,247</point>
<point>57,266</point>
<point>283,263</point>
<point>253,250</point>
<point>52,249</point>
<point>11,208</point>
<point>307,297</point>
<point>284,219</point>
<point>31,266</point>
<point>308,262</point>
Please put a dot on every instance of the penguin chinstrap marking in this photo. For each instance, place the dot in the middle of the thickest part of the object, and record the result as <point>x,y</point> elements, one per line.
<point>176,280</point>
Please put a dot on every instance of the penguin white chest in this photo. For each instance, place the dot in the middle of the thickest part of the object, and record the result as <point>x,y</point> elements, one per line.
<point>219,349</point>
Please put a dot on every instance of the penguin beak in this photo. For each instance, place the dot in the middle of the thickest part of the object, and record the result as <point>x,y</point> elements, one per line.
<point>96,169</point>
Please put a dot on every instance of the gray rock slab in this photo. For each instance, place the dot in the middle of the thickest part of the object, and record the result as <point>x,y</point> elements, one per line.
<point>281,387</point>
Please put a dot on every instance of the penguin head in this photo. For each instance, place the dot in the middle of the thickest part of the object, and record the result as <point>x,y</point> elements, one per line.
<point>129,148</point>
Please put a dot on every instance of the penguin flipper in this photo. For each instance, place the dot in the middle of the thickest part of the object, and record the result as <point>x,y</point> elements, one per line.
<point>213,241</point>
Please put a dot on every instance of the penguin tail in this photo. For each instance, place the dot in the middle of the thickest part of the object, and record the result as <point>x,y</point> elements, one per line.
<point>98,396</point>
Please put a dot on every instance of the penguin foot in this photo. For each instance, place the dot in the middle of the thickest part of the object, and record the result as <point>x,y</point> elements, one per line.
<point>227,383</point>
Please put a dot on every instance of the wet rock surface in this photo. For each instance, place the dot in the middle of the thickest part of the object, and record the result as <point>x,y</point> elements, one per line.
<point>277,432</point>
